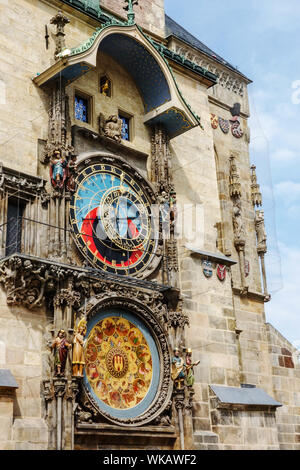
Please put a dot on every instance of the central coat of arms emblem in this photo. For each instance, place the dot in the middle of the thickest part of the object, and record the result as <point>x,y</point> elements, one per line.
<point>117,362</point>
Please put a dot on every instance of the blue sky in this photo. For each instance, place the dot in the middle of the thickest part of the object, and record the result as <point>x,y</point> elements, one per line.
<point>261,38</point>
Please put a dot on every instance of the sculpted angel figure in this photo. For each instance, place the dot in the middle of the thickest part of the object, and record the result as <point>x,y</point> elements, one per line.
<point>78,351</point>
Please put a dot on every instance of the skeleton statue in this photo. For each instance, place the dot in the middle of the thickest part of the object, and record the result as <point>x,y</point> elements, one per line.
<point>71,174</point>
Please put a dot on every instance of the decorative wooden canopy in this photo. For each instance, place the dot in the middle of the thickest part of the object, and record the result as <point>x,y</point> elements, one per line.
<point>131,48</point>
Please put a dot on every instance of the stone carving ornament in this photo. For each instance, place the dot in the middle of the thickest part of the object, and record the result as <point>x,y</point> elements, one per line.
<point>238,224</point>
<point>113,128</point>
<point>260,231</point>
<point>226,79</point>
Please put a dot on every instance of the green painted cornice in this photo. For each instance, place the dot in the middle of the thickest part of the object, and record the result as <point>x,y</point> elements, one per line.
<point>93,9</point>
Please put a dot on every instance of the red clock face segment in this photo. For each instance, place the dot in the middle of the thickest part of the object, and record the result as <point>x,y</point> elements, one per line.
<point>112,221</point>
<point>88,231</point>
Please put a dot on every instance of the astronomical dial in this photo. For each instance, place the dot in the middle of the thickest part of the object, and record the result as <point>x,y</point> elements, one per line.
<point>112,221</point>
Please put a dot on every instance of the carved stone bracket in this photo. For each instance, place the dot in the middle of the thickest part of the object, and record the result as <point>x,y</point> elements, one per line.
<point>67,297</point>
<point>72,389</point>
<point>179,399</point>
<point>21,185</point>
<point>60,387</point>
<point>48,390</point>
<point>25,282</point>
<point>178,319</point>
<point>28,281</point>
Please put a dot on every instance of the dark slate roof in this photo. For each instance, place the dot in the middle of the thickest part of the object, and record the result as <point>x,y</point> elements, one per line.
<point>174,29</point>
<point>243,396</point>
<point>7,379</point>
<point>219,257</point>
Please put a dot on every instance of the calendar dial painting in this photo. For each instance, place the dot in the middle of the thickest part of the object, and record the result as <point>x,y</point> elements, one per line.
<point>112,221</point>
<point>122,372</point>
<point>118,363</point>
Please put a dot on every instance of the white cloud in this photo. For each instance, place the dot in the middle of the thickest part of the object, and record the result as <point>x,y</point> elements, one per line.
<point>284,155</point>
<point>288,190</point>
<point>294,212</point>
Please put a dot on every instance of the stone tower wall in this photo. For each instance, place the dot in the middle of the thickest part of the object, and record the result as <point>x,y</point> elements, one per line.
<point>150,14</point>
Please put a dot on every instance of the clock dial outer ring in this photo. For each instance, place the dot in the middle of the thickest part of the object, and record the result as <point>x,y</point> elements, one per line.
<point>142,314</point>
<point>153,259</point>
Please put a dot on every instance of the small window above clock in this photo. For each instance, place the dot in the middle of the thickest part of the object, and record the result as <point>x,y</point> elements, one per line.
<point>82,107</point>
<point>105,86</point>
<point>126,126</point>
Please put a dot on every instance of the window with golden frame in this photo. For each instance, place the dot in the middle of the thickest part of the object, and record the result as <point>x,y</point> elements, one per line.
<point>105,86</point>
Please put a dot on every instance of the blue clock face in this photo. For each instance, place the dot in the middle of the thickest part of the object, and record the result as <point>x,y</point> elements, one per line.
<point>112,221</point>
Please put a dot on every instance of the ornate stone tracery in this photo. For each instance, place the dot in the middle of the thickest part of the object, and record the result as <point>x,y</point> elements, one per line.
<point>226,79</point>
<point>239,232</point>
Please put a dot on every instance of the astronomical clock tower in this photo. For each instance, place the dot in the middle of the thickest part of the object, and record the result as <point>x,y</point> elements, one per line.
<point>98,253</point>
<point>117,330</point>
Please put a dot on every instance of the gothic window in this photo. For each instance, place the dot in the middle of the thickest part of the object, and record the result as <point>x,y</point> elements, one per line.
<point>15,209</point>
<point>82,108</point>
<point>126,131</point>
<point>105,86</point>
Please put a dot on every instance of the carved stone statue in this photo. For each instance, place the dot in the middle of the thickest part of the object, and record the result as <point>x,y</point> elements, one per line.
<point>190,379</point>
<point>60,346</point>
<point>113,128</point>
<point>60,21</point>
<point>58,170</point>
<point>235,188</point>
<point>238,224</point>
<point>70,184</point>
<point>178,373</point>
<point>260,231</point>
<point>78,344</point>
